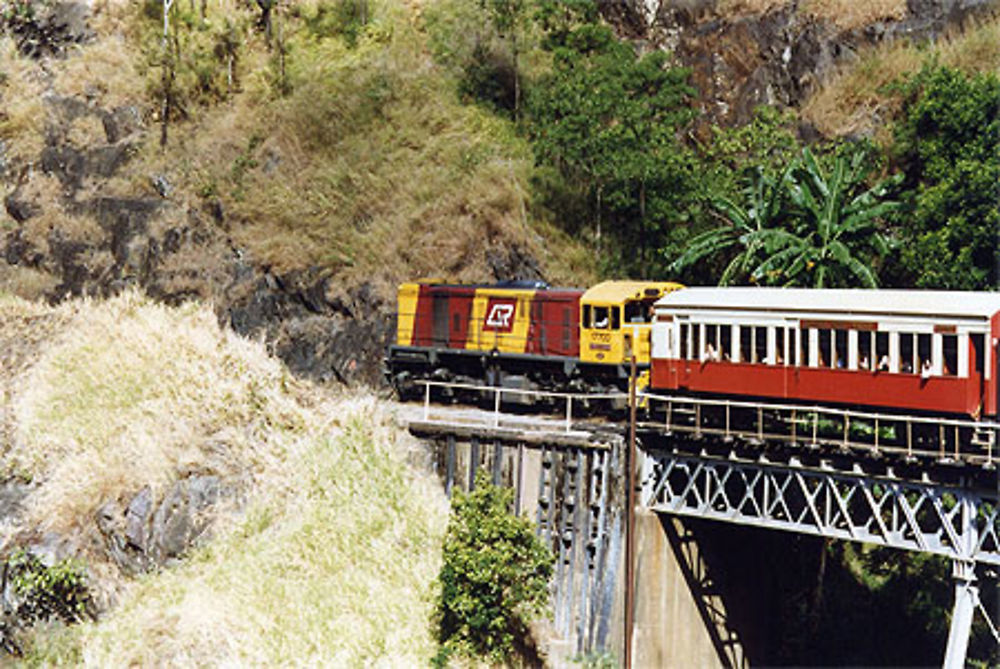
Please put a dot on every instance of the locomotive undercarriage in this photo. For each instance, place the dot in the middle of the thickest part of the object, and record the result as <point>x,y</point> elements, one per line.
<point>407,366</point>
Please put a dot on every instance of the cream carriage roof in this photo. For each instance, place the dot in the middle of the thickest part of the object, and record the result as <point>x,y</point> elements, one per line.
<point>854,302</point>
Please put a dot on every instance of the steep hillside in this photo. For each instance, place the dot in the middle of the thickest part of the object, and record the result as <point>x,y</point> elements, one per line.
<point>309,166</point>
<point>138,436</point>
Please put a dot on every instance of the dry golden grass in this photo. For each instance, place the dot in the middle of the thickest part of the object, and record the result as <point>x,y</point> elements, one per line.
<point>855,100</point>
<point>22,111</point>
<point>333,553</point>
<point>370,168</point>
<point>729,7</point>
<point>845,14</point>
<point>848,14</point>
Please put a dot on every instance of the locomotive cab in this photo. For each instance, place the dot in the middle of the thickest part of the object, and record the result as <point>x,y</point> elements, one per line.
<point>615,321</point>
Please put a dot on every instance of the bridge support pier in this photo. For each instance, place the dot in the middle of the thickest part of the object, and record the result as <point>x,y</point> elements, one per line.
<point>966,598</point>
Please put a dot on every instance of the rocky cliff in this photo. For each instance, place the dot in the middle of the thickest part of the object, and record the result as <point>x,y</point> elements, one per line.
<point>80,218</point>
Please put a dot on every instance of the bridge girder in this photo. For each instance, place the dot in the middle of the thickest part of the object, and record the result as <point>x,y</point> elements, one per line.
<point>956,522</point>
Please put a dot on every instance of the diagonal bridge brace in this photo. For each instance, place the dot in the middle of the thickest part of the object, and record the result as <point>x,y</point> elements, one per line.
<point>956,522</point>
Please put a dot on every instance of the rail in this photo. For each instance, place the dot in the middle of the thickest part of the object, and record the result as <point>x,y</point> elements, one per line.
<point>940,438</point>
<point>499,392</point>
<point>946,440</point>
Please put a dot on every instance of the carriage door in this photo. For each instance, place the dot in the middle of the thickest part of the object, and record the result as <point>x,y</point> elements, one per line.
<point>440,337</point>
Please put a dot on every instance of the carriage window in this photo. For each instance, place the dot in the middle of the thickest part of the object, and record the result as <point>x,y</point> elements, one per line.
<point>804,345</point>
<point>906,351</point>
<point>713,349</point>
<point>864,351</point>
<point>685,331</point>
<point>566,329</point>
<point>779,346</point>
<point>977,346</point>
<point>881,357</point>
<point>950,349</point>
<point>760,345</point>
<point>456,322</point>
<point>695,341</point>
<point>825,357</point>
<point>746,343</point>
<point>600,318</point>
<point>840,349</point>
<point>924,354</point>
<point>726,342</point>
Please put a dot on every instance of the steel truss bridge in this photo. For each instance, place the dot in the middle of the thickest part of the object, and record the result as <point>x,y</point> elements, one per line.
<point>908,482</point>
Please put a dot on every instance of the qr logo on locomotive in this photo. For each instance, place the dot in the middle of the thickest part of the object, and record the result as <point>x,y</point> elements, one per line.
<point>500,315</point>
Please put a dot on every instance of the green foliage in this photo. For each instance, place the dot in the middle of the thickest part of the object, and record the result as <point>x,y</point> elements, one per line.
<point>494,579</point>
<point>343,18</point>
<point>607,121</point>
<point>948,144</point>
<point>43,592</point>
<point>809,226</point>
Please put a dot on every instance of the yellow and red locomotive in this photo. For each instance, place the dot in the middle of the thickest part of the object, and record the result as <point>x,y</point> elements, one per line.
<point>523,334</point>
<point>922,352</point>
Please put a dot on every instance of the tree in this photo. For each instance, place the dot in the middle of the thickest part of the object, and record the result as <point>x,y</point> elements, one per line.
<point>948,145</point>
<point>495,576</point>
<point>808,227</point>
<point>507,16</point>
<point>608,120</point>
<point>834,237</point>
<point>750,228</point>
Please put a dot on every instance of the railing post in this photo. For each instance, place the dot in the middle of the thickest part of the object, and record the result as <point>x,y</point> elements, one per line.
<point>496,408</point>
<point>569,412</point>
<point>427,401</point>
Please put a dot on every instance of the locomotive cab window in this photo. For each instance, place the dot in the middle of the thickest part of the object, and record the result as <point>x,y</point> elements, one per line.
<point>639,312</point>
<point>601,318</point>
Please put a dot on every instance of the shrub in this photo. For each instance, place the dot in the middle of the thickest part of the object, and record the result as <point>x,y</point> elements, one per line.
<point>494,578</point>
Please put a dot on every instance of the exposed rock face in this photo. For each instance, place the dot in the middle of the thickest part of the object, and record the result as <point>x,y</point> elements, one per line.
<point>143,533</point>
<point>47,29</point>
<point>778,58</point>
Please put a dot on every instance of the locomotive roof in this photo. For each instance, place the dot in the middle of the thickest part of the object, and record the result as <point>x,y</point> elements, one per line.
<point>619,291</point>
<point>841,301</point>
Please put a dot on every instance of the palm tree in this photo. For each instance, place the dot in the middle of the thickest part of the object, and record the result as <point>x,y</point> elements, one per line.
<point>751,228</point>
<point>833,234</point>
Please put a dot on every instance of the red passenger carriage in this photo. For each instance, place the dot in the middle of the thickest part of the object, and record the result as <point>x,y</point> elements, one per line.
<point>905,350</point>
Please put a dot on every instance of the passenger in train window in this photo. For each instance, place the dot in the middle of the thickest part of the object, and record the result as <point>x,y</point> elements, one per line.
<point>926,369</point>
<point>883,363</point>
<point>710,353</point>
<point>863,363</point>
